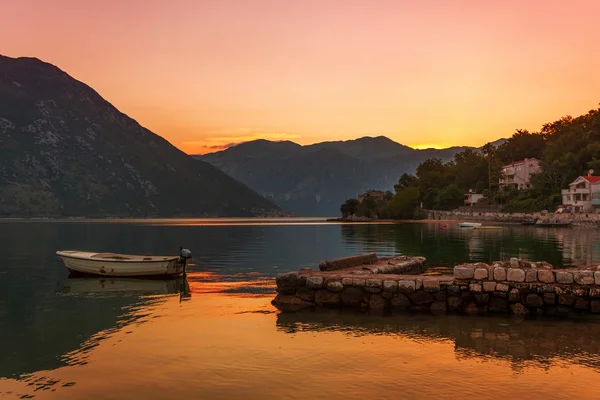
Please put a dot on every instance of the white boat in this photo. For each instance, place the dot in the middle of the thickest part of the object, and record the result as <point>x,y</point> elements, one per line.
<point>468,224</point>
<point>111,264</point>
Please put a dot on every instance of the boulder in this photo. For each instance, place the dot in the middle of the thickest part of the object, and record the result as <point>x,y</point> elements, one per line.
<point>438,307</point>
<point>546,276</point>
<point>497,305</point>
<point>480,273</point>
<point>420,297</point>
<point>595,306</point>
<point>518,309</point>
<point>306,294</point>
<point>352,296</point>
<point>564,277</point>
<point>289,303</point>
<point>390,286</point>
<point>440,296</point>
<point>400,302</point>
<point>549,298</point>
<point>533,300</point>
<point>378,303</point>
<point>406,286</point>
<point>515,275</point>
<point>314,282</point>
<point>335,286</point>
<point>462,272</point>
<point>584,277</point>
<point>514,296</point>
<point>500,274</point>
<point>471,309</point>
<point>581,303</point>
<point>482,299</point>
<point>454,303</point>
<point>324,297</point>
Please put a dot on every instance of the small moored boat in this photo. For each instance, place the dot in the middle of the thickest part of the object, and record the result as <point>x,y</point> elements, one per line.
<point>111,264</point>
<point>468,224</point>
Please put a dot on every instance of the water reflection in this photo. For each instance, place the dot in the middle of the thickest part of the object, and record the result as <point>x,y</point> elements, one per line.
<point>451,245</point>
<point>524,343</point>
<point>92,286</point>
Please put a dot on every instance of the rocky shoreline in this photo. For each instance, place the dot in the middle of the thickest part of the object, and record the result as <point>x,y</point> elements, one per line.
<point>516,287</point>
<point>527,218</point>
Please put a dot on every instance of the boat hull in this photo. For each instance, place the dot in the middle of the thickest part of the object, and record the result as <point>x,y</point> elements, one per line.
<point>468,224</point>
<point>115,268</point>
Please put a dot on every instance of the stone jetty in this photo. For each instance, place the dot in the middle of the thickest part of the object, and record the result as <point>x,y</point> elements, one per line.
<point>397,284</point>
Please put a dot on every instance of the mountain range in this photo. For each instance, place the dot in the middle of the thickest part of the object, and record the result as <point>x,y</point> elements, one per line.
<point>65,151</point>
<point>314,180</point>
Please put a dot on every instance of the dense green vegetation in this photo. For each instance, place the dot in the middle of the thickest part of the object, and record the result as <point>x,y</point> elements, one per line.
<point>566,148</point>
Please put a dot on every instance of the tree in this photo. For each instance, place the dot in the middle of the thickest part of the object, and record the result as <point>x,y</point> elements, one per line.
<point>404,203</point>
<point>450,197</point>
<point>349,207</point>
<point>406,180</point>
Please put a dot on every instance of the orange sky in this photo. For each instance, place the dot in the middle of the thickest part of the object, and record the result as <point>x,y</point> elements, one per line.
<point>205,73</point>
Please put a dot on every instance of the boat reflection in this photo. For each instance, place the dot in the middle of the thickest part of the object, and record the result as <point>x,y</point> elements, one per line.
<point>524,343</point>
<point>110,286</point>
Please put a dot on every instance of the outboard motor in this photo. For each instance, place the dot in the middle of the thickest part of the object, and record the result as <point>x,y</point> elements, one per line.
<point>184,255</point>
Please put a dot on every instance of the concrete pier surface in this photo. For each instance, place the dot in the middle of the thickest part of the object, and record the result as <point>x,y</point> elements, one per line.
<point>397,284</point>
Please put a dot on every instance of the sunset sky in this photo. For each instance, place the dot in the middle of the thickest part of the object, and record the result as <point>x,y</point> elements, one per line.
<point>437,73</point>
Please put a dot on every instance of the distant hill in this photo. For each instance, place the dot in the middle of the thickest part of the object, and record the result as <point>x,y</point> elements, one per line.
<point>65,151</point>
<point>316,179</point>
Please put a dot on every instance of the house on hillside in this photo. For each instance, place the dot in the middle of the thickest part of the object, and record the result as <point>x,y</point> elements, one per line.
<point>583,194</point>
<point>472,198</point>
<point>377,195</point>
<point>518,174</point>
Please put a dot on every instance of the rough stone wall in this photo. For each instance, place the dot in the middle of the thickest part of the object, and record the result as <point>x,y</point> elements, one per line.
<point>583,219</point>
<point>514,287</point>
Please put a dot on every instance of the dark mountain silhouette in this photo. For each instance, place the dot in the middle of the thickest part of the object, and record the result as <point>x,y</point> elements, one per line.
<point>65,151</point>
<point>316,179</point>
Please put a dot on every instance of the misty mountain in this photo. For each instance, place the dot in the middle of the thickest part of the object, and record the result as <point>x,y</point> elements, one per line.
<point>65,151</point>
<point>316,179</point>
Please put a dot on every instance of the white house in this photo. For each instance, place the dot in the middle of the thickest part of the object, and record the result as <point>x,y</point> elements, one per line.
<point>472,198</point>
<point>583,194</point>
<point>518,174</point>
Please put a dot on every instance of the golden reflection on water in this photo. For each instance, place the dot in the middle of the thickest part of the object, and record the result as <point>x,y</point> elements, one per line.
<point>223,345</point>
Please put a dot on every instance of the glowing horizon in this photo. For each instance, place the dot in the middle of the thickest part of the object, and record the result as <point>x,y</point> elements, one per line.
<point>206,74</point>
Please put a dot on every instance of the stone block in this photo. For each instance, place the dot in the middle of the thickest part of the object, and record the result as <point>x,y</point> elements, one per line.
<point>335,286</point>
<point>514,296</point>
<point>418,284</point>
<point>420,297</point>
<point>406,286</point>
<point>454,303</point>
<point>499,274</point>
<point>289,303</point>
<point>564,277</point>
<point>347,281</point>
<point>359,282</point>
<point>453,290</point>
<point>518,309</point>
<point>597,277</point>
<point>595,292</point>
<point>482,299</point>
<point>390,286</point>
<point>584,277</point>
<point>497,305</point>
<point>306,294</point>
<point>480,273</point>
<point>489,286</point>
<point>531,275</point>
<point>581,303</point>
<point>514,262</point>
<point>438,307</point>
<point>377,303</point>
<point>566,299</point>
<point>546,276</point>
<point>314,282</point>
<point>463,272</point>
<point>515,275</point>
<point>533,300</point>
<point>549,298</point>
<point>325,297</point>
<point>502,287</point>
<point>291,280</point>
<point>400,302</point>
<point>475,288</point>
<point>352,296</point>
<point>431,285</point>
<point>373,283</point>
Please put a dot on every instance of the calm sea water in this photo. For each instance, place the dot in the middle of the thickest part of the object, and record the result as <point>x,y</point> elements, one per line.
<point>216,336</point>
